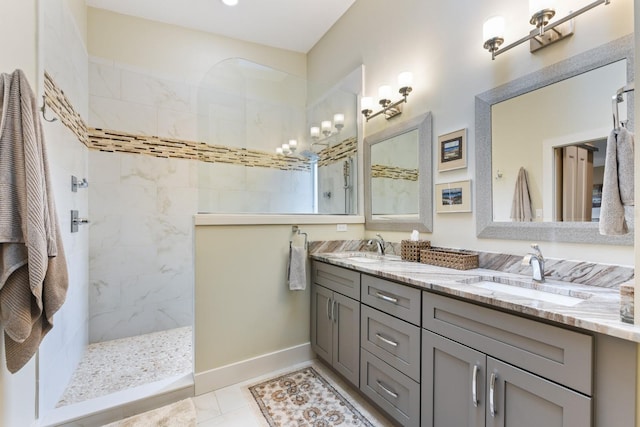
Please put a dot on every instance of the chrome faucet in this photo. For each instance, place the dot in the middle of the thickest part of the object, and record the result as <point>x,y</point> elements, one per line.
<point>380,243</point>
<point>536,260</point>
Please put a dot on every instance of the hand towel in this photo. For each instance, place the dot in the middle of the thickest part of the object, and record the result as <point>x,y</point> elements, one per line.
<point>33,270</point>
<point>617,186</point>
<point>297,268</point>
<point>521,205</point>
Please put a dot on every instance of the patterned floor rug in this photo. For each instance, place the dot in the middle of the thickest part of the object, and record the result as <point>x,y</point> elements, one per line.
<point>304,398</point>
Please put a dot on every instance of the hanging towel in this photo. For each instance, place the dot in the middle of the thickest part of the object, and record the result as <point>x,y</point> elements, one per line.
<point>297,268</point>
<point>521,205</point>
<point>33,270</point>
<point>617,187</point>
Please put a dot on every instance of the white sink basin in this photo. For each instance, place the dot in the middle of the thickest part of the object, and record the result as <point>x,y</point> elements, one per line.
<point>553,293</point>
<point>365,257</point>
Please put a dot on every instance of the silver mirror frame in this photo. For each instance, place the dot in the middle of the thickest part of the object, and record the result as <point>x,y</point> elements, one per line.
<point>424,222</point>
<point>570,232</point>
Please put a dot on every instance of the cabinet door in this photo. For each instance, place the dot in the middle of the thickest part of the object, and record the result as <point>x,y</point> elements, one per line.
<point>321,324</point>
<point>346,338</point>
<point>453,378</point>
<point>516,398</point>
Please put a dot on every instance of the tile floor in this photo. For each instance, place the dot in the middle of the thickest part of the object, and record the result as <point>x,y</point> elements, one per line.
<point>232,406</point>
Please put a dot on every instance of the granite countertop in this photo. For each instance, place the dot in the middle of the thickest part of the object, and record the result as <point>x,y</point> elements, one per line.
<point>593,307</point>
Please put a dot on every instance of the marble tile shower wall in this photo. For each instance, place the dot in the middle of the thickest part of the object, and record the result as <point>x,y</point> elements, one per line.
<point>64,57</point>
<point>141,206</point>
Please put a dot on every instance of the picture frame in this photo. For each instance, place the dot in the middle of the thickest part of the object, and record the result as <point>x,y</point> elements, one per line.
<point>453,197</point>
<point>452,150</point>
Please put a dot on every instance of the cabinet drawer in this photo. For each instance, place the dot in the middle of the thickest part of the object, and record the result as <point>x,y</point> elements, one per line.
<point>393,391</point>
<point>346,282</point>
<point>554,353</point>
<point>392,340</point>
<point>392,298</point>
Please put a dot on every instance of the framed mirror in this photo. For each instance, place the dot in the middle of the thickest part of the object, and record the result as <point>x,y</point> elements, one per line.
<point>498,135</point>
<point>398,177</point>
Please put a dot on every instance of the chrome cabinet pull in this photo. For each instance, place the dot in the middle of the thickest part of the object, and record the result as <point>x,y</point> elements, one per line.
<point>474,386</point>
<point>492,392</point>
<point>386,298</point>
<point>329,308</point>
<point>389,392</point>
<point>386,340</point>
<point>333,311</point>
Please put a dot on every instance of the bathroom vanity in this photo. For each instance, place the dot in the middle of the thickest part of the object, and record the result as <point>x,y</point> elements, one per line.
<point>436,347</point>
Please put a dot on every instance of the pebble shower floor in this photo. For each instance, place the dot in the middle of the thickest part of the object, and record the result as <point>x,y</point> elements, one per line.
<point>116,365</point>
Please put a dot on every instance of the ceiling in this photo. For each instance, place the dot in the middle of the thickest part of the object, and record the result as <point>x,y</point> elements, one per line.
<point>295,25</point>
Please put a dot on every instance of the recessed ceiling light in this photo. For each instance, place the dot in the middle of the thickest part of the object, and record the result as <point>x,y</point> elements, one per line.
<point>230,2</point>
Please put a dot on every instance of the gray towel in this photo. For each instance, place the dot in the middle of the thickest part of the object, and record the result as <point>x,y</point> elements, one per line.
<point>521,205</point>
<point>33,270</point>
<point>297,268</point>
<point>617,187</point>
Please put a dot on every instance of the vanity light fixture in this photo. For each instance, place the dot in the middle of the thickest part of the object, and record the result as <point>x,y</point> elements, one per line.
<point>389,109</point>
<point>326,129</point>
<point>288,148</point>
<point>546,32</point>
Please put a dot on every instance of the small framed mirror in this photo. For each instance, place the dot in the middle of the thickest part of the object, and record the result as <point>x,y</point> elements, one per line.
<point>398,177</point>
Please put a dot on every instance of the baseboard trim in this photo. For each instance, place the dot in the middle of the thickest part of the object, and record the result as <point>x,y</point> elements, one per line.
<point>224,376</point>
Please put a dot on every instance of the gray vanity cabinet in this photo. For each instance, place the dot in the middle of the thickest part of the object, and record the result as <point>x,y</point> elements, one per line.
<point>335,320</point>
<point>482,367</point>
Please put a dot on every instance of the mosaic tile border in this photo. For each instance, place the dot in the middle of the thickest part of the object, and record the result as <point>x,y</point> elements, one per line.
<point>116,141</point>
<point>382,171</point>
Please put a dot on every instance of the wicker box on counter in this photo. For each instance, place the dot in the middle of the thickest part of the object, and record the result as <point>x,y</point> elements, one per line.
<point>410,249</point>
<point>459,259</point>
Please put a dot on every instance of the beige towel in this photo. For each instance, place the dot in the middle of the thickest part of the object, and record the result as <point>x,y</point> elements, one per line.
<point>617,187</point>
<point>521,205</point>
<point>33,271</point>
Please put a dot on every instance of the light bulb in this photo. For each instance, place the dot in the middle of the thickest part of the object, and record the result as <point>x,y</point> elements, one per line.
<point>493,27</point>
<point>384,92</point>
<point>405,79</point>
<point>366,103</point>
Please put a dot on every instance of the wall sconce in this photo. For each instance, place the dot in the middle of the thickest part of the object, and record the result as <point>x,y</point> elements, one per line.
<point>389,109</point>
<point>546,33</point>
<point>287,149</point>
<point>326,128</point>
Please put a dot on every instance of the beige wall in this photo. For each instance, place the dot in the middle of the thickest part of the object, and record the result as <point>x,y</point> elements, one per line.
<point>443,48</point>
<point>637,192</point>
<point>243,307</point>
<point>176,51</point>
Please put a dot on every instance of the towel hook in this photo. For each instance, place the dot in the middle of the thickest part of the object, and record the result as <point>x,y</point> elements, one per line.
<point>296,229</point>
<point>44,108</point>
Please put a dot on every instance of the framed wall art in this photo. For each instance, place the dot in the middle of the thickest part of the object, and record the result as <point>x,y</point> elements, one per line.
<point>452,150</point>
<point>453,197</point>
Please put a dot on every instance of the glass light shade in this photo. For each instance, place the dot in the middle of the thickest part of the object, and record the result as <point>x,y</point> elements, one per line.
<point>366,103</point>
<point>293,144</point>
<point>405,79</point>
<point>325,125</point>
<point>493,27</point>
<point>279,150</point>
<point>338,119</point>
<point>536,6</point>
<point>314,131</point>
<point>285,147</point>
<point>384,92</point>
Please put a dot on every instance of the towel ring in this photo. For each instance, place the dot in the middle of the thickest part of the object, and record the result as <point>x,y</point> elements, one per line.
<point>296,229</point>
<point>44,110</point>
